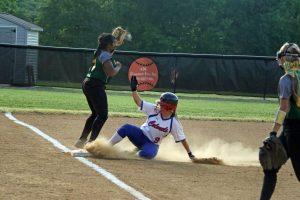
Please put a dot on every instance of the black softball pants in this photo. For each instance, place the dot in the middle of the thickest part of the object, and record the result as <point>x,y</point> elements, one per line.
<point>94,91</point>
<point>290,138</point>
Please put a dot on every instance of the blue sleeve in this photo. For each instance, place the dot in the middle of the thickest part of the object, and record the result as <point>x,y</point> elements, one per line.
<point>104,56</point>
<point>285,87</point>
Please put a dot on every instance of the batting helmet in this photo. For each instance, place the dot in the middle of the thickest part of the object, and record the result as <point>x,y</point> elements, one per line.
<point>168,101</point>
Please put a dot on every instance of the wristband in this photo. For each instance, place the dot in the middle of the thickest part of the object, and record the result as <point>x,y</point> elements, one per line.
<point>190,154</point>
<point>280,116</point>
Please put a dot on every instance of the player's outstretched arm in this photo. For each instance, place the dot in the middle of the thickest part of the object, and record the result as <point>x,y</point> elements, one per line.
<point>187,148</point>
<point>136,97</point>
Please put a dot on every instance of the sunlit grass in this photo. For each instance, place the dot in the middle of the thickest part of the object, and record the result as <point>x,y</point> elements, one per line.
<point>194,106</point>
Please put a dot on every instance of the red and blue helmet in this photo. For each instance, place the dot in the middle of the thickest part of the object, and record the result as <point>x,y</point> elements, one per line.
<point>168,101</point>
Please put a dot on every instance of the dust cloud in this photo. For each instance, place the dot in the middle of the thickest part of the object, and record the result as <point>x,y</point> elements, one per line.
<point>235,154</point>
<point>101,148</point>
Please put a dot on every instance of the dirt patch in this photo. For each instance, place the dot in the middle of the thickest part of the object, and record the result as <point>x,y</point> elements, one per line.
<point>31,168</point>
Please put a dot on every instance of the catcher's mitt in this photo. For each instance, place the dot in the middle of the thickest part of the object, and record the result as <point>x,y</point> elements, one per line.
<point>121,34</point>
<point>272,155</point>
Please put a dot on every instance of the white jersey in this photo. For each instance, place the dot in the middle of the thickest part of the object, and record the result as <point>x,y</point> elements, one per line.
<point>156,128</point>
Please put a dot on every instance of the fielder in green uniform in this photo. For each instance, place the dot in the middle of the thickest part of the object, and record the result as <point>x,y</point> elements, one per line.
<point>103,68</point>
<point>288,115</point>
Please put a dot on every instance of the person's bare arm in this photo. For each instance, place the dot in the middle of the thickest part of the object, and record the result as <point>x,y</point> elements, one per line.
<point>187,148</point>
<point>137,99</point>
<point>283,106</point>
<point>109,69</point>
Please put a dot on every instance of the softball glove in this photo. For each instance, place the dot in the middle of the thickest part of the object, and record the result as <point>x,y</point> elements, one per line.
<point>272,154</point>
<point>121,34</point>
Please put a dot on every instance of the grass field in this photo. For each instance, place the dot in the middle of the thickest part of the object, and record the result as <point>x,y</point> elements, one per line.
<point>191,106</point>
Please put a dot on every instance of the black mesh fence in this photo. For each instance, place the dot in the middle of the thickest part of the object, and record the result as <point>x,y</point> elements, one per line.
<point>67,67</point>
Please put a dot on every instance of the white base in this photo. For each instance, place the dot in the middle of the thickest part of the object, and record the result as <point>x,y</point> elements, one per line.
<point>80,153</point>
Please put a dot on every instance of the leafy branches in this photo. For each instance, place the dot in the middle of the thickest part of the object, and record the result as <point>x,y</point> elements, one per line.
<point>193,26</point>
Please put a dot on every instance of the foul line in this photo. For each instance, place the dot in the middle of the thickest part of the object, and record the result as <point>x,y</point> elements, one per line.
<point>88,163</point>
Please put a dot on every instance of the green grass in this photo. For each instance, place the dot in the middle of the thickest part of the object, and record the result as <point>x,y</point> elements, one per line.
<point>191,106</point>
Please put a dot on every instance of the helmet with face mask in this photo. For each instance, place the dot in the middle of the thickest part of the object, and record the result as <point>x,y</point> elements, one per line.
<point>168,101</point>
<point>290,63</point>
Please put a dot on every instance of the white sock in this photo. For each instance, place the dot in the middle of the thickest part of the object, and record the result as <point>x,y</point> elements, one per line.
<point>115,139</point>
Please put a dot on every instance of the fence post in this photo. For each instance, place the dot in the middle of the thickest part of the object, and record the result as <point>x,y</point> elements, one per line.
<point>30,75</point>
<point>174,76</point>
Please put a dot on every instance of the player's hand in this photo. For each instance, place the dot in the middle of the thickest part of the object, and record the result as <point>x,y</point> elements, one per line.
<point>191,156</point>
<point>118,64</point>
<point>267,141</point>
<point>133,83</point>
<point>272,133</point>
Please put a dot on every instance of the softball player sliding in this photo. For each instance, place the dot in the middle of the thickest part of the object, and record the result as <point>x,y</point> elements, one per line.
<point>161,122</point>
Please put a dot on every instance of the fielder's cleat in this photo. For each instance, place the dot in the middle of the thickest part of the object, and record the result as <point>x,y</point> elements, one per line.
<point>80,143</point>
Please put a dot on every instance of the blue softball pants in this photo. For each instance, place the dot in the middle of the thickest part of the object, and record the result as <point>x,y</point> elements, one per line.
<point>147,148</point>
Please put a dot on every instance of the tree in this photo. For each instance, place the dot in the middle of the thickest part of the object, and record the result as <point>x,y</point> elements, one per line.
<point>193,26</point>
<point>73,23</point>
<point>29,9</point>
<point>8,6</point>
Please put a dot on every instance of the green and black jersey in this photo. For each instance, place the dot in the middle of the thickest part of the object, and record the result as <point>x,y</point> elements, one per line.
<point>96,71</point>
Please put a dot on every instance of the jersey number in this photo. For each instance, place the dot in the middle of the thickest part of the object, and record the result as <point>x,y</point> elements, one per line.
<point>156,140</point>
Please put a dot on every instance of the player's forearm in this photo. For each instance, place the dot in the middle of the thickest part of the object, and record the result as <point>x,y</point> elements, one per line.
<point>110,70</point>
<point>276,127</point>
<point>137,99</point>
<point>188,150</point>
<point>115,70</point>
<point>280,115</point>
<point>186,146</point>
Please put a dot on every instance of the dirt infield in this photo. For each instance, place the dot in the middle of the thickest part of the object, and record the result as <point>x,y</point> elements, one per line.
<point>32,168</point>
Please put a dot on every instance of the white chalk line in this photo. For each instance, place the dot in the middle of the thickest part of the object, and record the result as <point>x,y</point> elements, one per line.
<point>88,163</point>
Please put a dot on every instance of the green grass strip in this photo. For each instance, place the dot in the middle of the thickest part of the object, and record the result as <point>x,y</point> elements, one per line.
<point>191,106</point>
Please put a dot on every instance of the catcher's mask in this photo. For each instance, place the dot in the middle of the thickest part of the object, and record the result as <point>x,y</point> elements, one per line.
<point>291,66</point>
<point>168,101</point>
<point>290,50</point>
